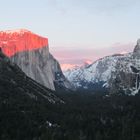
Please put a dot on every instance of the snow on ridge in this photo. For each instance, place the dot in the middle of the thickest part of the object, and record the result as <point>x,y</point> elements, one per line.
<point>19,31</point>
<point>98,71</point>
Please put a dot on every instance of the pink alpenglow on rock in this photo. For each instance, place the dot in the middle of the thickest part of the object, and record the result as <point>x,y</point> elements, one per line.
<point>31,53</point>
<point>15,41</point>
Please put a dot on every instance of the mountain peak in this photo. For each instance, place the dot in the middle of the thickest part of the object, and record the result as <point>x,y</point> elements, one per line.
<point>138,41</point>
<point>14,41</point>
<point>136,52</point>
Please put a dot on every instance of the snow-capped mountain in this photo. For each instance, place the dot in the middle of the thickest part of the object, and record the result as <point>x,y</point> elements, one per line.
<point>97,72</point>
<point>115,73</point>
<point>31,53</point>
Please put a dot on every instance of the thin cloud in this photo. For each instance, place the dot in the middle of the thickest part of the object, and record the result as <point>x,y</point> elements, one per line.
<point>78,57</point>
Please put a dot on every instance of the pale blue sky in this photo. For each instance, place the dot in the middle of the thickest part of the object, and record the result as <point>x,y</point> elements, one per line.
<point>75,24</point>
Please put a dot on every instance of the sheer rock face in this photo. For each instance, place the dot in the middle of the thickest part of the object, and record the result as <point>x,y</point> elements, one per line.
<point>31,53</point>
<point>19,87</point>
<point>41,66</point>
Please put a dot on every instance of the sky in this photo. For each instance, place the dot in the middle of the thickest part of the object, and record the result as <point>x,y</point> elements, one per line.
<point>79,31</point>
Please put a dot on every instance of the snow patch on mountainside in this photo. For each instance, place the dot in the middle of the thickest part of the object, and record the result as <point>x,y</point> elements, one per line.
<point>99,71</point>
<point>19,31</point>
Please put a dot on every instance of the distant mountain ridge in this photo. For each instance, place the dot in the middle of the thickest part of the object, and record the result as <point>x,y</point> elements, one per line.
<point>113,73</point>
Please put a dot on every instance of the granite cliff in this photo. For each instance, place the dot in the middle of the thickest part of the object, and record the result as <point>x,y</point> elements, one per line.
<point>31,53</point>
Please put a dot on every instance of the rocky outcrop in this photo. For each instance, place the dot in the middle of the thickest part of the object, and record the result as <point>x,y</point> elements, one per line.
<point>136,52</point>
<point>31,53</point>
<point>125,78</point>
